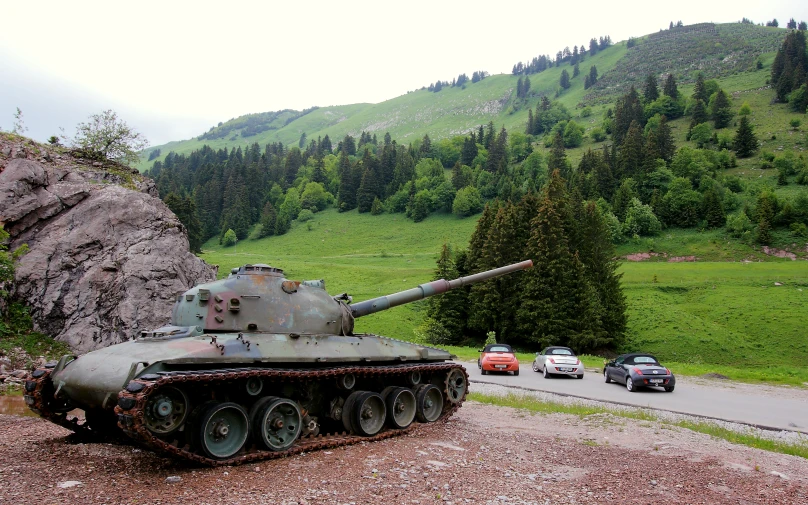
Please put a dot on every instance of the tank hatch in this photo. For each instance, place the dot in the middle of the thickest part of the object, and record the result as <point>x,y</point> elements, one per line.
<point>257,269</point>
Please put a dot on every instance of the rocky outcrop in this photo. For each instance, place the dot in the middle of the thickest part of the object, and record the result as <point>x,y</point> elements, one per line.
<point>106,257</point>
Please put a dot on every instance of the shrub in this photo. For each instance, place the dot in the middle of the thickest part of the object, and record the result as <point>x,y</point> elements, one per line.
<point>467,202</point>
<point>229,238</point>
<point>305,215</point>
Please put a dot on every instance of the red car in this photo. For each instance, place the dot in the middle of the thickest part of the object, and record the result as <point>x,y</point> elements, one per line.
<point>498,358</point>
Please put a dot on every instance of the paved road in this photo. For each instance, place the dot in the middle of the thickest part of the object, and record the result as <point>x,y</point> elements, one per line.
<point>748,404</point>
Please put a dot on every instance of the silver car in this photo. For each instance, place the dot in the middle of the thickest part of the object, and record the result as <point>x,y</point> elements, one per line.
<point>556,360</point>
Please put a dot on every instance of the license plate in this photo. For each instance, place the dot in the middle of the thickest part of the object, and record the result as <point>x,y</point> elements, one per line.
<point>500,366</point>
<point>566,369</point>
<point>656,381</point>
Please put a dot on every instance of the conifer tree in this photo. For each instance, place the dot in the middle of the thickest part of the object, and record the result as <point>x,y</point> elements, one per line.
<point>700,90</point>
<point>185,210</point>
<point>268,220</point>
<point>699,113</point>
<point>552,298</point>
<point>745,142</point>
<point>564,81</point>
<point>558,156</point>
<point>632,151</point>
<point>576,71</point>
<point>628,109</point>
<point>449,310</point>
<point>651,90</point>
<point>660,141</point>
<point>670,89</point>
<point>722,110</point>
<point>346,199</point>
<point>713,209</point>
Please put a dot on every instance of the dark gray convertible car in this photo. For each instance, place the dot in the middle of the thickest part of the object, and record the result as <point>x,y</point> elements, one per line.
<point>638,370</point>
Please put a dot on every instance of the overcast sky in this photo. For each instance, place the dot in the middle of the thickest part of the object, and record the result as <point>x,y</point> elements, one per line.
<point>173,69</point>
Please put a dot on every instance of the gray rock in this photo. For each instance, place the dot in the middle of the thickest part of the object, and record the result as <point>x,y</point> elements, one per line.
<point>173,479</point>
<point>105,261</point>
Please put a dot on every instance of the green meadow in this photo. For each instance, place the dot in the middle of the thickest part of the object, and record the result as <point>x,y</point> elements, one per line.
<point>741,315</point>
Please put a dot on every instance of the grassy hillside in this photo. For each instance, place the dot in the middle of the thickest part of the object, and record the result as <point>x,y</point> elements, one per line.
<point>727,51</point>
<point>716,313</point>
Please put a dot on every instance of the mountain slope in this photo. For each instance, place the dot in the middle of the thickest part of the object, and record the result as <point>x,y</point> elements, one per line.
<point>717,50</point>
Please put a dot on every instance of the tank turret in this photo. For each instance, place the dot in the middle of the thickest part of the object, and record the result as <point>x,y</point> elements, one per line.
<point>256,366</point>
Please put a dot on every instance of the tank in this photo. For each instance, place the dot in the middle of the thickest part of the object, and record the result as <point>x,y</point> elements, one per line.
<point>257,366</point>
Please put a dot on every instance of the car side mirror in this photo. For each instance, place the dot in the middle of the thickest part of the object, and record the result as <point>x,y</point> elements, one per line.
<point>480,350</point>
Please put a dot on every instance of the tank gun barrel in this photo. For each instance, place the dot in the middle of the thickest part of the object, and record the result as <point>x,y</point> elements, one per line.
<point>431,288</point>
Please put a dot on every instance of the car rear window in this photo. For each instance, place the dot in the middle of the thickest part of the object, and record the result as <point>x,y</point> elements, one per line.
<point>644,359</point>
<point>565,352</point>
<point>499,348</point>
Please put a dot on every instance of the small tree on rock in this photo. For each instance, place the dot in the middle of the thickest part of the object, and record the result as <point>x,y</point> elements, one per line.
<point>106,136</point>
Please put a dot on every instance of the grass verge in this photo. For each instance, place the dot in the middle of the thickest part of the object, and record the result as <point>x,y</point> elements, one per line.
<point>749,440</point>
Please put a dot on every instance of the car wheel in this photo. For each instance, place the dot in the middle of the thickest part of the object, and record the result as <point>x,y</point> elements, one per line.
<point>580,376</point>
<point>669,389</point>
<point>516,372</point>
<point>479,365</point>
<point>630,385</point>
<point>535,367</point>
<point>606,376</point>
<point>546,373</point>
<point>483,371</point>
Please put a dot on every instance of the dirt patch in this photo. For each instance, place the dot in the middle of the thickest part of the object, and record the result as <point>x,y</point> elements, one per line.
<point>713,375</point>
<point>680,259</point>
<point>780,253</point>
<point>482,455</point>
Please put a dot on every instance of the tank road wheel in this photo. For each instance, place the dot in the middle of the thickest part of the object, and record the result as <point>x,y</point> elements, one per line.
<point>414,378</point>
<point>254,386</point>
<point>347,409</point>
<point>346,382</point>
<point>276,423</point>
<point>400,407</point>
<point>428,403</point>
<point>223,430</point>
<point>368,414</point>
<point>456,385</point>
<point>166,411</point>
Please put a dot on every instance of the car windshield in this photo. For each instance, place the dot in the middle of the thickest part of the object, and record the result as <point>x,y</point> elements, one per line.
<point>644,360</point>
<point>498,348</point>
<point>563,352</point>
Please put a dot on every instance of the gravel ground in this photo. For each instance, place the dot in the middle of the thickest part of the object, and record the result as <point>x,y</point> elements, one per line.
<point>482,455</point>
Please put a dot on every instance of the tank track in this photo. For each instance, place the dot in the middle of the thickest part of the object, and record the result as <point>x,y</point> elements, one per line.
<point>134,397</point>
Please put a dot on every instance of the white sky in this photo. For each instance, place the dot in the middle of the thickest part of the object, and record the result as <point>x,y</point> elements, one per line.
<point>172,69</point>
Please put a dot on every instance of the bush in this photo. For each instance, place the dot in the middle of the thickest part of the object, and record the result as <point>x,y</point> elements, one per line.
<point>640,220</point>
<point>229,239</point>
<point>467,202</point>
<point>739,225</point>
<point>597,134</point>
<point>305,215</point>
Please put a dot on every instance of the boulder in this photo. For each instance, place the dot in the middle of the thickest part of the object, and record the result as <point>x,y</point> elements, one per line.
<point>106,258</point>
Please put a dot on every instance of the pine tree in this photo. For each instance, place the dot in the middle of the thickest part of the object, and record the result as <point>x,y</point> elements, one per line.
<point>564,81</point>
<point>268,220</point>
<point>660,141</point>
<point>551,301</point>
<point>699,113</point>
<point>632,151</point>
<point>745,142</point>
<point>628,109</point>
<point>346,199</point>
<point>558,156</point>
<point>576,71</point>
<point>670,89</point>
<point>722,110</point>
<point>369,187</point>
<point>713,209</point>
<point>448,310</point>
<point>651,90</point>
<point>700,90</point>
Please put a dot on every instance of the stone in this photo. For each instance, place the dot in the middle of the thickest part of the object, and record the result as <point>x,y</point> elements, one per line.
<point>69,483</point>
<point>173,479</point>
<point>105,260</point>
